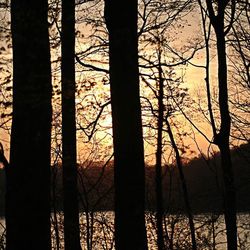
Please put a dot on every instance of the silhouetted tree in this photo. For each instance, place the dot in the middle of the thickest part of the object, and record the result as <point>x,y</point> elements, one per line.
<point>70,204</point>
<point>158,165</point>
<point>217,13</point>
<point>239,67</point>
<point>28,175</point>
<point>157,73</point>
<point>121,21</point>
<point>183,183</point>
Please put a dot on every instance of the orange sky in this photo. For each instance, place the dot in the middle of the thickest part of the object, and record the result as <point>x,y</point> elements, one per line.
<point>193,78</point>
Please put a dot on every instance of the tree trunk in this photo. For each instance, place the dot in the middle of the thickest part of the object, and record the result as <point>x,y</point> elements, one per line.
<point>121,21</point>
<point>222,140</point>
<point>28,175</point>
<point>158,165</point>
<point>70,191</point>
<point>184,185</point>
<point>217,19</point>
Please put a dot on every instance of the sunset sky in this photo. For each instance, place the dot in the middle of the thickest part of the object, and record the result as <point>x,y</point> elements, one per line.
<point>93,84</point>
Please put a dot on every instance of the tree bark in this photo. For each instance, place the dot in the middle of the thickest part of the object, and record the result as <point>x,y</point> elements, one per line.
<point>28,174</point>
<point>70,191</point>
<point>129,179</point>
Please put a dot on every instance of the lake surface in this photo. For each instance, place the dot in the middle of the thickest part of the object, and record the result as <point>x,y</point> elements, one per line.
<point>97,231</point>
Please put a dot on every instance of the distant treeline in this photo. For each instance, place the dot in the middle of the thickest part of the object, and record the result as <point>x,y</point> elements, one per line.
<point>203,178</point>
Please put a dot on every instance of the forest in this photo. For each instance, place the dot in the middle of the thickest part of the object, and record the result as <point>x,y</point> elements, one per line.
<point>124,124</point>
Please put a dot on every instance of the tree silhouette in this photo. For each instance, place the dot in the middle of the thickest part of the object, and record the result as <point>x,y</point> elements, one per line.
<point>121,21</point>
<point>71,211</point>
<point>28,174</point>
<point>218,16</point>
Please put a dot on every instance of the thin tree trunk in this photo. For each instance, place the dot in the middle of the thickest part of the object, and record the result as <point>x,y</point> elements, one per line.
<point>222,140</point>
<point>70,191</point>
<point>129,179</point>
<point>158,166</point>
<point>54,207</point>
<point>184,185</point>
<point>28,174</point>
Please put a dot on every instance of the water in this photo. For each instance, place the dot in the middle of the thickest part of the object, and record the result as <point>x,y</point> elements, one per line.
<point>97,231</point>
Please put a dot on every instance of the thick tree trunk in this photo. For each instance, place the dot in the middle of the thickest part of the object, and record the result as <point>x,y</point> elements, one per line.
<point>70,204</point>
<point>121,21</point>
<point>28,175</point>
